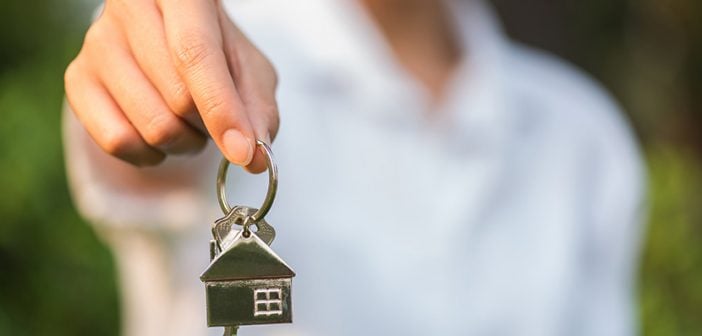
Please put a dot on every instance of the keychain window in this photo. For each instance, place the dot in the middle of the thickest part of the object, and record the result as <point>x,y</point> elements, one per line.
<point>268,301</point>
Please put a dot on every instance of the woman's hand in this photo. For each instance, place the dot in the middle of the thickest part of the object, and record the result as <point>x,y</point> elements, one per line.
<point>155,77</point>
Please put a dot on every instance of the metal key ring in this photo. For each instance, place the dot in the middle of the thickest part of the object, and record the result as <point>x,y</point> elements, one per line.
<point>272,184</point>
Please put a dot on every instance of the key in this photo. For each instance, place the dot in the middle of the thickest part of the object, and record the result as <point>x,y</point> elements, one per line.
<point>230,331</point>
<point>237,216</point>
<point>246,282</point>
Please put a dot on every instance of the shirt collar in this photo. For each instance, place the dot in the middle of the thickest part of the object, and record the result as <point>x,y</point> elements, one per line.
<point>349,51</point>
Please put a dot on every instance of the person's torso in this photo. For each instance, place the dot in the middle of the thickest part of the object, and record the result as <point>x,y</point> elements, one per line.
<point>402,223</point>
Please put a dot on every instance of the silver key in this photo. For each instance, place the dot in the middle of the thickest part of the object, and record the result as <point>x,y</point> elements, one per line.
<point>230,331</point>
<point>237,216</point>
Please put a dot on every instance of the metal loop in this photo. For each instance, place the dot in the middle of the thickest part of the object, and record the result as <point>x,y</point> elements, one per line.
<point>272,184</point>
<point>246,232</point>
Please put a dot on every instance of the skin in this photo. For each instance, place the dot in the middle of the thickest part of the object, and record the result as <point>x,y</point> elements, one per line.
<point>158,77</point>
<point>423,40</point>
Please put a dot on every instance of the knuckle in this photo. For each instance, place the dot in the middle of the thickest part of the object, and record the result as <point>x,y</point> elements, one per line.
<point>274,77</point>
<point>180,101</point>
<point>71,74</point>
<point>94,35</point>
<point>161,131</point>
<point>74,77</point>
<point>275,125</point>
<point>190,50</point>
<point>118,142</point>
<point>99,40</point>
<point>272,117</point>
<point>271,70</point>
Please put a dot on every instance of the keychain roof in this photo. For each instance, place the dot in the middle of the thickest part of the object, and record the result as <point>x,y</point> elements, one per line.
<point>246,258</point>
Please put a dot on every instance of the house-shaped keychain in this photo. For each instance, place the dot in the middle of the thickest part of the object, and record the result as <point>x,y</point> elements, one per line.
<point>247,283</point>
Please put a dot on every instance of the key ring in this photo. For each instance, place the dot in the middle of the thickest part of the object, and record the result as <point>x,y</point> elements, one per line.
<point>272,184</point>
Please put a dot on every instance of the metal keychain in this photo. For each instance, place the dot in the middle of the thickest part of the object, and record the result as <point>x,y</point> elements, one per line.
<point>246,282</point>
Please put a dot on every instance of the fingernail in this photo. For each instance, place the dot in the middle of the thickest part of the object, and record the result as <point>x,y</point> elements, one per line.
<point>239,149</point>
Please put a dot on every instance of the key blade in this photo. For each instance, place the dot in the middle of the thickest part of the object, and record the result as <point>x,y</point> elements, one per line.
<point>231,331</point>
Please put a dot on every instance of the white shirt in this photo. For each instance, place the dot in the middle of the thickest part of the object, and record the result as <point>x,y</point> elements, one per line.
<point>512,209</point>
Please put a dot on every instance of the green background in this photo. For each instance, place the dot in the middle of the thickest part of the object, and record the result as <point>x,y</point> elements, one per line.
<point>56,278</point>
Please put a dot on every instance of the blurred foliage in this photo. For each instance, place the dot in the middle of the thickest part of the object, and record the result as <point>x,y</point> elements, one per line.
<point>671,276</point>
<point>58,279</point>
<point>647,52</point>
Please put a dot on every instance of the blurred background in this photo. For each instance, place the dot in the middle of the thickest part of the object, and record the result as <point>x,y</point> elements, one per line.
<point>57,279</point>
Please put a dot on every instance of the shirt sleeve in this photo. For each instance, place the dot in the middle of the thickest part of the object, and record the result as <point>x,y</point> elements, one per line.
<point>612,244</point>
<point>107,191</point>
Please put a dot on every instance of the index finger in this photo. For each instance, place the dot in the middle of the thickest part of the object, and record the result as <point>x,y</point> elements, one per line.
<point>195,40</point>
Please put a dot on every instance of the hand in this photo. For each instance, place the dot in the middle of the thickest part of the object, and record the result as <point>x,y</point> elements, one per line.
<point>155,77</point>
